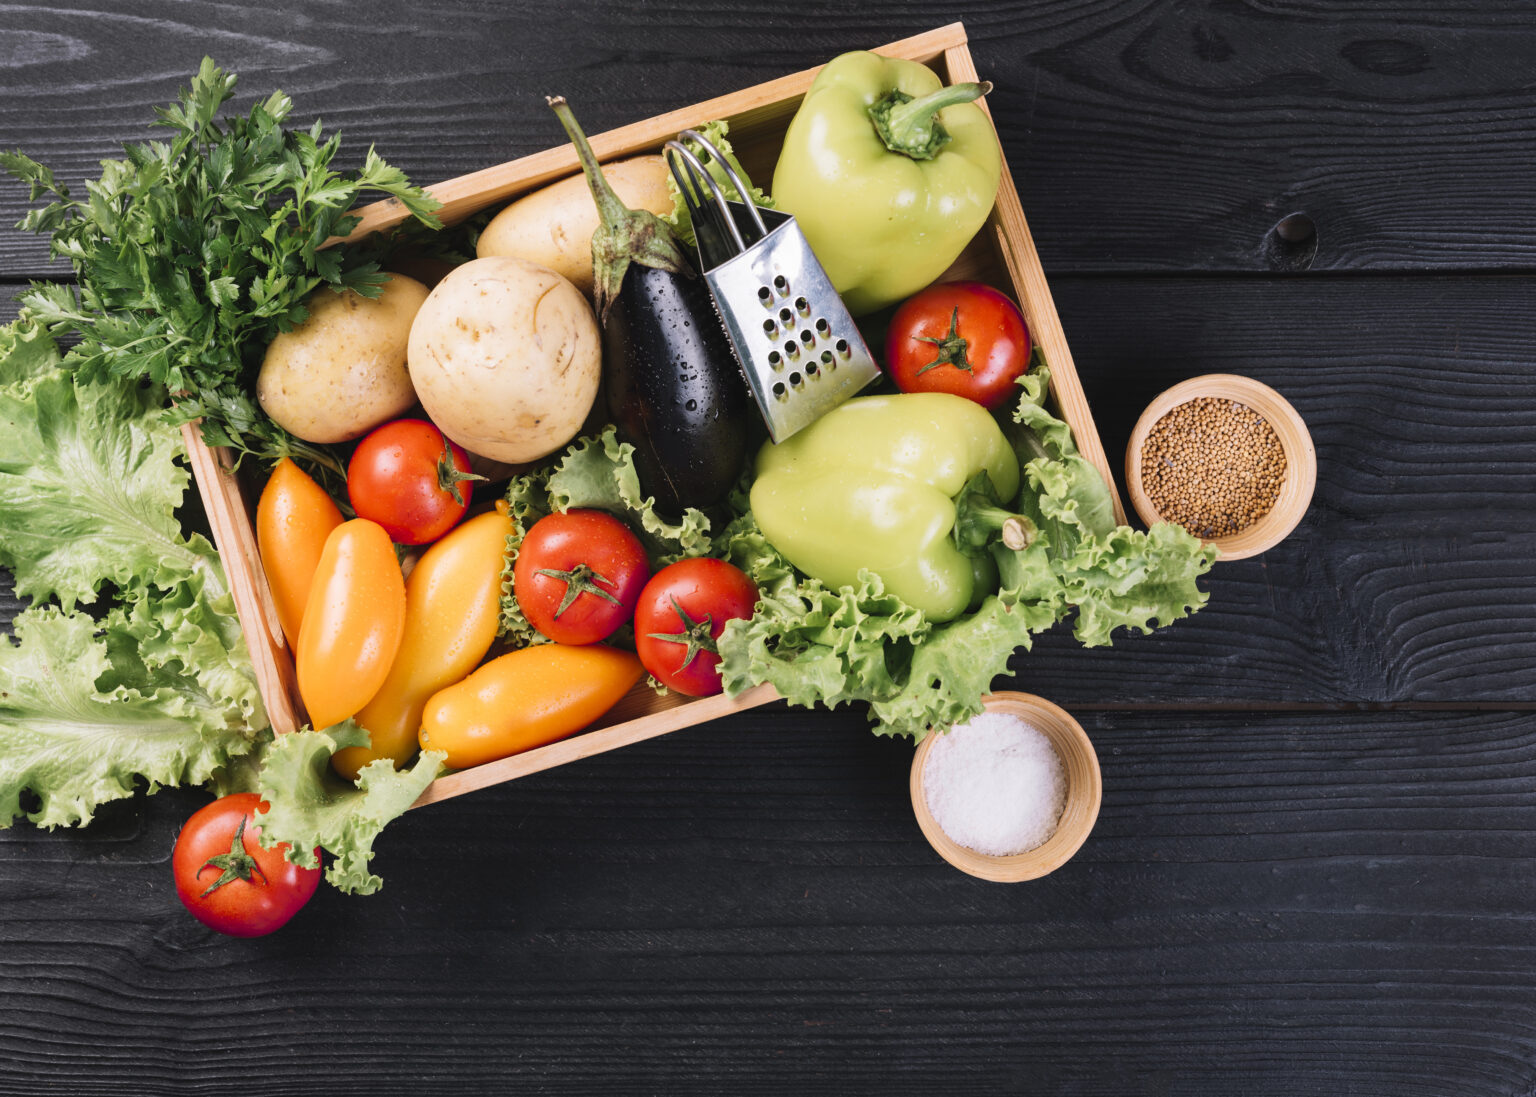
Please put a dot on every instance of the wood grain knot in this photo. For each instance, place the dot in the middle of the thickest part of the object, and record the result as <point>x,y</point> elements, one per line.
<point>1292,244</point>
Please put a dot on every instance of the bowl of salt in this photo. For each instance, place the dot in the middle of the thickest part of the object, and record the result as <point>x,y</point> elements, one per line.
<point>1012,794</point>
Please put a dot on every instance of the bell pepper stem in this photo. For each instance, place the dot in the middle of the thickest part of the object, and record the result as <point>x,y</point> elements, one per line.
<point>911,126</point>
<point>625,236</point>
<point>978,520</point>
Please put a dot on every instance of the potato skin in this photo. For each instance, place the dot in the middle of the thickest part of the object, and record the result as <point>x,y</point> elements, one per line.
<point>505,356</point>
<point>342,371</point>
<point>553,226</point>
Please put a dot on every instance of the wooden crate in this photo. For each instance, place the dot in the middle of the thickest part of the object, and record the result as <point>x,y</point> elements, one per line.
<point>1002,254</point>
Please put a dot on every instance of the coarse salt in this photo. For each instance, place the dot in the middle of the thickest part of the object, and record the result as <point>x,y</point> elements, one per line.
<point>995,785</point>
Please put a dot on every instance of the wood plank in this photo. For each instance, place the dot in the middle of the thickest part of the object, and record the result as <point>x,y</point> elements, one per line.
<point>1140,138</point>
<point>1409,580</point>
<point>1269,904</point>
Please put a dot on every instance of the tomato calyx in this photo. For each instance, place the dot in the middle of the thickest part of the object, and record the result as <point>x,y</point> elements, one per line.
<point>951,347</point>
<point>580,580</point>
<point>696,634</point>
<point>449,475</point>
<point>237,864</point>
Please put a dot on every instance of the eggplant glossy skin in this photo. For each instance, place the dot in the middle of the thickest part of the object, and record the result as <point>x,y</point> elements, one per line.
<point>674,389</point>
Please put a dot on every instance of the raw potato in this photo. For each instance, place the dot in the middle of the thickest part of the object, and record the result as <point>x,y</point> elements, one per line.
<point>554,226</point>
<point>505,356</point>
<point>342,371</point>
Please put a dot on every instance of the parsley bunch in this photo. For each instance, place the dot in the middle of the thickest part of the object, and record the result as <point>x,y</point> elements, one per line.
<point>191,254</point>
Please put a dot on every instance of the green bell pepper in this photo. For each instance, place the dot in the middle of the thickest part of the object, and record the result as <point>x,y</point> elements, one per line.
<point>904,486</point>
<point>889,173</point>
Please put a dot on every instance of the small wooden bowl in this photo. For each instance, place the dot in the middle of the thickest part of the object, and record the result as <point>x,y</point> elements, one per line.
<point>1300,458</point>
<point>1085,789</point>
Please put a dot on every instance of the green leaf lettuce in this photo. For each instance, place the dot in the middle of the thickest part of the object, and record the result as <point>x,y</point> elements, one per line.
<point>89,485</point>
<point>311,806</point>
<point>158,689</point>
<point>83,719</point>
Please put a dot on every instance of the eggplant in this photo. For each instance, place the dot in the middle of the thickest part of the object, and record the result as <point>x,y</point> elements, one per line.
<point>674,390</point>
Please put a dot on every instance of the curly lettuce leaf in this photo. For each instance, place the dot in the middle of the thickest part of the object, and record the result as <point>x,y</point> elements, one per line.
<point>1114,576</point>
<point>1135,580</point>
<point>1043,442</point>
<point>84,718</point>
<point>312,806</point>
<point>954,670</point>
<point>596,472</point>
<point>157,689</point>
<point>859,643</point>
<point>815,644</point>
<point>89,485</point>
<point>863,644</point>
<point>26,351</point>
<point>715,133</point>
<point>184,639</point>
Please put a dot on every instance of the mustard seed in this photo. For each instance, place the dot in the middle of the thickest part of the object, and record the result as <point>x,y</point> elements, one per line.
<point>1212,465</point>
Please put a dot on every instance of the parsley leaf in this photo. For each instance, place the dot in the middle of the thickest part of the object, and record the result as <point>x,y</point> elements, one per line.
<point>191,253</point>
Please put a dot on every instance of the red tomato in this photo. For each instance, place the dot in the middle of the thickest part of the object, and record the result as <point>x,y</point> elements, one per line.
<point>682,611</point>
<point>410,479</point>
<point>963,338</point>
<point>227,880</point>
<point>578,575</point>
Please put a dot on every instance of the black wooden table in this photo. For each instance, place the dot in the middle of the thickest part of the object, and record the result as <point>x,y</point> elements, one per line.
<point>1316,859</point>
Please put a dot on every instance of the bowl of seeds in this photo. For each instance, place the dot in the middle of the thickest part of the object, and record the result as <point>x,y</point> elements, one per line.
<point>1227,458</point>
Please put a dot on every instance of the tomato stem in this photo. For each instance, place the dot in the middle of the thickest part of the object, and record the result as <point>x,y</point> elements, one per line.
<point>951,347</point>
<point>696,634</point>
<point>449,475</point>
<point>580,580</point>
<point>237,864</point>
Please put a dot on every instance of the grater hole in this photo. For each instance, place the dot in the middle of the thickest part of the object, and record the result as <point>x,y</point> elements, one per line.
<point>842,347</point>
<point>796,380</point>
<point>769,327</point>
<point>827,359</point>
<point>807,337</point>
<point>802,306</point>
<point>792,349</point>
<point>822,327</point>
<point>810,370</point>
<point>785,316</point>
<point>779,390</point>
<point>764,294</point>
<point>781,284</point>
<point>775,358</point>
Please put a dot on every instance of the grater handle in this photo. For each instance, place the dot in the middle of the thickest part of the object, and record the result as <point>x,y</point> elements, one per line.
<point>688,179</point>
<point>740,186</point>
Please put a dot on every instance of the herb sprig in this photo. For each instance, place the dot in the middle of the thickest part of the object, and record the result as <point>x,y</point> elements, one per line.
<point>192,253</point>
